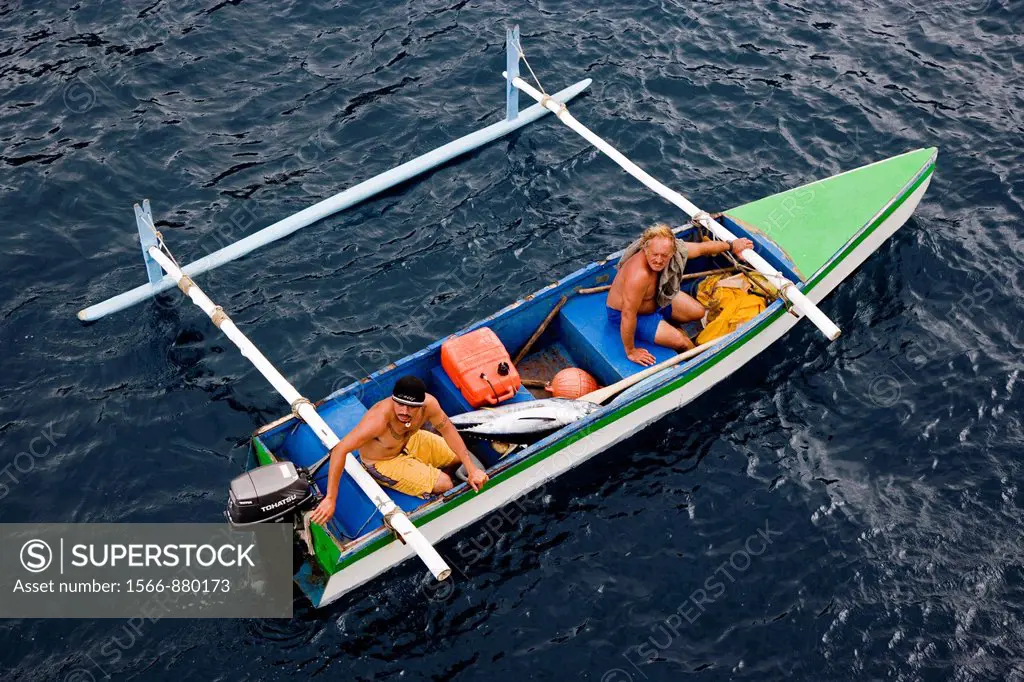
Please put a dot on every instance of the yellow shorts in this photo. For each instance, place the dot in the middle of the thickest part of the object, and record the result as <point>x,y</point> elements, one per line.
<point>415,470</point>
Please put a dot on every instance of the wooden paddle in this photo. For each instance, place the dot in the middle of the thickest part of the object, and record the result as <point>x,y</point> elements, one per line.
<point>540,330</point>
<point>603,395</point>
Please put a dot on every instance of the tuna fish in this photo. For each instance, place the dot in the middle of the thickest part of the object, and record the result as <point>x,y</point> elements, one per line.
<point>523,423</point>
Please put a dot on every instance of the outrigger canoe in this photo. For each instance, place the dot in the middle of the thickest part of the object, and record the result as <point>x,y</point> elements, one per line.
<point>806,241</point>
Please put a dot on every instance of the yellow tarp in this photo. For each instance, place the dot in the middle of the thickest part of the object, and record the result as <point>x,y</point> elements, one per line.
<point>730,303</point>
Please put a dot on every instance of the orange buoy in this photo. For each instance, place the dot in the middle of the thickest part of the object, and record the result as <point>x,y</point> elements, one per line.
<point>572,383</point>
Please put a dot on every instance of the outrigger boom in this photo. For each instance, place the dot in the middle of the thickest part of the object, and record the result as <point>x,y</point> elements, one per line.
<point>788,290</point>
<point>302,407</point>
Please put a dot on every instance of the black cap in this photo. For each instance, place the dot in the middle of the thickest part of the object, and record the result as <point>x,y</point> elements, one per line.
<point>409,390</point>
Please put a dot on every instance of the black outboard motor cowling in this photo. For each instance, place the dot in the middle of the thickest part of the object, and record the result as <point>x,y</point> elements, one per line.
<point>270,493</point>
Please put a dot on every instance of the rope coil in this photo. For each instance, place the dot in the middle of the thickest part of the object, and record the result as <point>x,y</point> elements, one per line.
<point>185,283</point>
<point>218,316</point>
<point>299,402</point>
<point>387,522</point>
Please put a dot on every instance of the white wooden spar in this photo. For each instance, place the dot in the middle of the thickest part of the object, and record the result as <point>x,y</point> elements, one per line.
<point>338,202</point>
<point>789,290</point>
<point>393,516</point>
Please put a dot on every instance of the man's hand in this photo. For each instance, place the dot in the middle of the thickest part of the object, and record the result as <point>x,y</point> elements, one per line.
<point>740,245</point>
<point>477,479</point>
<point>641,357</point>
<point>323,512</point>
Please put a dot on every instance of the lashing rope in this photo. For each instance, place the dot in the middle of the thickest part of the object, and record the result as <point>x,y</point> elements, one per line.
<point>522,55</point>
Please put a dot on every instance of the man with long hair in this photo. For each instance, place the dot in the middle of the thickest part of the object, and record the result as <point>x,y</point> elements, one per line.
<point>637,303</point>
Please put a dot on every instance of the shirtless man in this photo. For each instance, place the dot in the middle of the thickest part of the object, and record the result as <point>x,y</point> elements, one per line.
<point>631,300</point>
<point>397,453</point>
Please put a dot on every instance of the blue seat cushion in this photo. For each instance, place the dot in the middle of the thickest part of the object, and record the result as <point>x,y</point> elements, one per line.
<point>354,514</point>
<point>595,342</point>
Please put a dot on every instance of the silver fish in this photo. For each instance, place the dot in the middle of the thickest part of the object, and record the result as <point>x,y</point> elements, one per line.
<point>467,419</point>
<point>525,422</point>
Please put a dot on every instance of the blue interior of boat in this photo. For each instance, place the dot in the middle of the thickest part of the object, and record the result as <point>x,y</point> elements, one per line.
<point>356,515</point>
<point>579,336</point>
<point>588,334</point>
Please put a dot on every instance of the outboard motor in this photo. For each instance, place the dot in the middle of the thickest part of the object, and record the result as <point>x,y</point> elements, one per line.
<point>273,493</point>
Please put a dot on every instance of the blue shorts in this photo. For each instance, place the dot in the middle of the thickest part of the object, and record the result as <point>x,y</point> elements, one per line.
<point>646,325</point>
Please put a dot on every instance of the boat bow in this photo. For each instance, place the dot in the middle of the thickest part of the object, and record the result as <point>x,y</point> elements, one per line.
<point>811,224</point>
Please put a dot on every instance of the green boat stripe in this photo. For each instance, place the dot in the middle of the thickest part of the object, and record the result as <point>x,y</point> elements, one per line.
<point>642,401</point>
<point>263,455</point>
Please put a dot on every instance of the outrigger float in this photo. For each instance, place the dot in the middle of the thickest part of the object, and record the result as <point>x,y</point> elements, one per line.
<point>807,240</point>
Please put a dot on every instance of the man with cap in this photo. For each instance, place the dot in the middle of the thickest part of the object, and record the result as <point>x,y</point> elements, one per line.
<point>395,450</point>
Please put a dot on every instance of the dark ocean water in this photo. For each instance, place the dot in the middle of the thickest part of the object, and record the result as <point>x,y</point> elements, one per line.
<point>858,502</point>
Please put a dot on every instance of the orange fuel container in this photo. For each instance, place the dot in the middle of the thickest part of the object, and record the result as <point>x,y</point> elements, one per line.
<point>479,366</point>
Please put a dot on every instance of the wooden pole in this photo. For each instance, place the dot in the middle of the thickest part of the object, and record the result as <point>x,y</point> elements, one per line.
<point>708,273</point>
<point>684,278</point>
<point>602,395</point>
<point>540,330</point>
